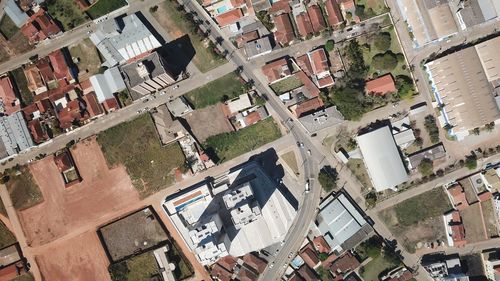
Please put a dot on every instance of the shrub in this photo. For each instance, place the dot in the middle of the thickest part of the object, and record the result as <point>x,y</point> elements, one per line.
<point>383,41</point>
<point>431,127</point>
<point>471,161</point>
<point>371,199</point>
<point>490,126</point>
<point>386,61</point>
<point>425,167</point>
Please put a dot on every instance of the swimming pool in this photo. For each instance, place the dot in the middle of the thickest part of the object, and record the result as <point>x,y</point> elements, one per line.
<point>221,10</point>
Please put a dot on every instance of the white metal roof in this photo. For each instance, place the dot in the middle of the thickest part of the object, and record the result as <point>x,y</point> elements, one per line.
<point>382,158</point>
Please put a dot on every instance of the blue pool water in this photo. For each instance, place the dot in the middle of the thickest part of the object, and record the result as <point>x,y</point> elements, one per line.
<point>221,10</point>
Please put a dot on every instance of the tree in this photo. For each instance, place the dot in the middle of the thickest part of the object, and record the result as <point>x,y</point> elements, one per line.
<point>322,256</point>
<point>426,167</point>
<point>372,246</point>
<point>357,67</point>
<point>153,9</point>
<point>371,199</point>
<point>476,131</point>
<point>490,126</point>
<point>349,102</point>
<point>386,61</point>
<point>324,274</point>
<point>329,45</point>
<point>327,177</point>
<point>431,127</point>
<point>383,41</point>
<point>471,161</point>
<point>405,87</point>
<point>419,141</point>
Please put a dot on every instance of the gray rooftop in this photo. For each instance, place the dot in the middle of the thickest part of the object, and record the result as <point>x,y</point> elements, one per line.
<point>168,128</point>
<point>179,106</point>
<point>258,47</point>
<point>14,133</point>
<point>108,83</point>
<point>152,65</point>
<point>339,222</point>
<point>15,13</point>
<point>477,11</point>
<point>322,119</point>
<point>121,39</point>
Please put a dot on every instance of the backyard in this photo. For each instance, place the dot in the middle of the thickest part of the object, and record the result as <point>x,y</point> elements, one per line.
<point>136,145</point>
<point>418,220</point>
<point>67,13</point>
<point>372,270</point>
<point>286,85</point>
<point>22,86</point>
<point>8,27</point>
<point>489,218</point>
<point>103,7</point>
<point>370,8</point>
<point>177,23</point>
<point>227,146</point>
<point>6,237</point>
<point>23,190</point>
<point>87,58</point>
<point>379,261</point>
<point>225,88</point>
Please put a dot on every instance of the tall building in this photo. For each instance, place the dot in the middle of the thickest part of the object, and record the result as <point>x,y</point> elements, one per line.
<point>147,75</point>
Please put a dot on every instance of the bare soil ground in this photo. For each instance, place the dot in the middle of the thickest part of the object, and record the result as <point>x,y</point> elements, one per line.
<point>79,258</point>
<point>208,121</point>
<point>291,161</point>
<point>473,223</point>
<point>102,190</point>
<point>490,218</point>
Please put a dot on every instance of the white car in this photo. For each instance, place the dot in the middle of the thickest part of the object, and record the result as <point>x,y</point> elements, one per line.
<point>271,265</point>
<point>176,87</point>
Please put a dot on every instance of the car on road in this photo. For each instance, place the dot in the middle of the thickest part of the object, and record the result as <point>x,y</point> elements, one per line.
<point>300,144</point>
<point>163,93</point>
<point>271,265</point>
<point>309,152</point>
<point>282,242</point>
<point>308,186</point>
<point>290,255</point>
<point>176,87</point>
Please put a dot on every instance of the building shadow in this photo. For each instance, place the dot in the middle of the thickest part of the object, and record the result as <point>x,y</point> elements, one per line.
<point>178,54</point>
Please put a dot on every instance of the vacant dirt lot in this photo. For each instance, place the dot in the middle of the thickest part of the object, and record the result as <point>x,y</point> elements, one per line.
<point>208,121</point>
<point>79,258</point>
<point>473,223</point>
<point>64,210</point>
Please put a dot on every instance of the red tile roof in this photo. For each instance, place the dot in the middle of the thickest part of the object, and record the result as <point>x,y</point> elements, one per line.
<point>229,17</point>
<point>316,17</point>
<point>70,113</point>
<point>485,196</point>
<point>93,106</point>
<point>9,273</point>
<point>321,245</point>
<point>237,3</point>
<point>252,118</point>
<point>381,86</point>
<point>308,106</point>
<point>220,273</point>
<point>110,104</point>
<point>303,24</point>
<point>326,81</point>
<point>319,61</point>
<point>309,257</point>
<point>257,264</point>
<point>33,77</point>
<point>458,234</point>
<point>279,7</point>
<point>246,275</point>
<point>63,162</point>
<point>311,88</point>
<point>347,5</point>
<point>45,69</point>
<point>284,30</point>
<point>304,64</point>
<point>247,37</point>
<point>458,195</point>
<point>39,27</point>
<point>10,101</point>
<point>307,273</point>
<point>276,70</point>
<point>58,62</point>
<point>36,130</point>
<point>333,11</point>
<point>344,264</point>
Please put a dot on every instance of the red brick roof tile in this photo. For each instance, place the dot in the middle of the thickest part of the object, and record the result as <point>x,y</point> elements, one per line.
<point>284,30</point>
<point>303,24</point>
<point>228,18</point>
<point>381,86</point>
<point>333,11</point>
<point>316,17</point>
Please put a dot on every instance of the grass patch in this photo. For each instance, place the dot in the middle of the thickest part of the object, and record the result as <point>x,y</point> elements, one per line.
<point>227,146</point>
<point>24,277</point>
<point>135,144</point>
<point>23,189</point>
<point>22,85</point>
<point>87,57</point>
<point>124,98</point>
<point>291,161</point>
<point>175,21</point>
<point>183,268</point>
<point>67,13</point>
<point>377,7</point>
<point>141,267</point>
<point>8,27</point>
<point>6,237</point>
<point>103,7</point>
<point>372,270</point>
<point>489,218</point>
<point>227,87</point>
<point>419,219</point>
<point>286,85</point>
<point>358,169</point>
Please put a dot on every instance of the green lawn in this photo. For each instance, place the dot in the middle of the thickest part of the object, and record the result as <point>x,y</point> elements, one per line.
<point>88,58</point>
<point>286,85</point>
<point>22,86</point>
<point>224,88</point>
<point>6,237</point>
<point>372,7</point>
<point>8,27</point>
<point>23,189</point>
<point>183,268</point>
<point>138,268</point>
<point>421,207</point>
<point>372,270</point>
<point>103,7</point>
<point>227,146</point>
<point>67,13</point>
<point>136,145</point>
<point>174,20</point>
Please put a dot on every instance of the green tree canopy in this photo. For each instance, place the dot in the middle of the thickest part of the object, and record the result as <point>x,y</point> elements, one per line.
<point>329,45</point>
<point>386,61</point>
<point>327,177</point>
<point>425,167</point>
<point>383,41</point>
<point>349,102</point>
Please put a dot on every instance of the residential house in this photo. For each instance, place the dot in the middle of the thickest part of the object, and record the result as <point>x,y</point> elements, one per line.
<point>344,265</point>
<point>307,107</point>
<point>321,245</point>
<point>66,166</point>
<point>256,264</point>
<point>284,30</point>
<point>491,263</point>
<point>229,18</point>
<point>13,263</point>
<point>398,274</point>
<point>280,7</point>
<point>320,69</point>
<point>381,86</point>
<point>307,273</point>
<point>15,13</point>
<point>9,103</point>
<point>334,16</point>
<point>92,105</point>
<point>168,129</point>
<point>106,85</point>
<point>259,47</point>
<point>39,27</point>
<point>304,26</point>
<point>457,194</point>
<point>316,16</point>
<point>455,229</point>
<point>34,79</point>
<point>39,115</point>
<point>310,257</point>
<point>277,70</point>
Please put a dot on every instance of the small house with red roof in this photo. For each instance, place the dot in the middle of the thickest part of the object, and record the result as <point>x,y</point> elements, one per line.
<point>320,68</point>
<point>458,197</point>
<point>284,30</point>
<point>39,27</point>
<point>92,105</point>
<point>67,168</point>
<point>344,264</point>
<point>280,7</point>
<point>321,245</point>
<point>309,256</point>
<point>9,103</point>
<point>304,26</point>
<point>381,86</point>
<point>316,16</point>
<point>334,15</point>
<point>306,107</point>
<point>277,70</point>
<point>455,229</point>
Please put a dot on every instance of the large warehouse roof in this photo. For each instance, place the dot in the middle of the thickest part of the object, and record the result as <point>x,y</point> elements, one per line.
<point>382,158</point>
